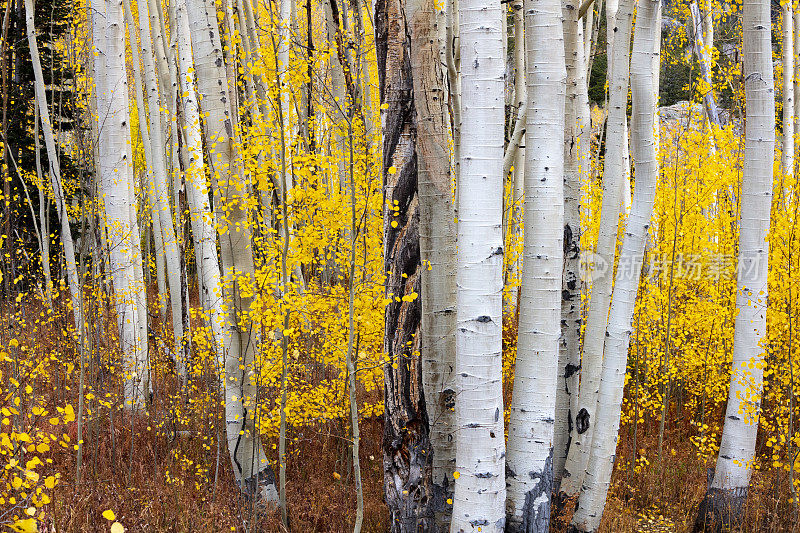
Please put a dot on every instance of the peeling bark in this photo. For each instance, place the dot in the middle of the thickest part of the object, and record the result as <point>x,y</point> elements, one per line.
<point>407,451</point>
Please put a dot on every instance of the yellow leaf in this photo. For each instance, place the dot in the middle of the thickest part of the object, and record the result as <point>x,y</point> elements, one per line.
<point>108,514</point>
<point>116,527</point>
<point>337,475</point>
<point>28,525</point>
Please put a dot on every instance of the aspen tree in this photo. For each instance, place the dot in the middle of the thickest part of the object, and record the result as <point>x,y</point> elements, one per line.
<point>250,465</point>
<point>612,7</point>
<point>704,56</point>
<point>54,166</point>
<point>796,32</point>
<point>514,158</point>
<point>158,194</point>
<point>337,88</point>
<point>594,491</point>
<point>722,504</point>
<point>43,232</point>
<point>201,217</point>
<point>116,175</point>
<point>788,52</point>
<point>437,242</point>
<point>453,62</point>
<point>479,499</point>
<point>597,318</point>
<point>409,487</point>
<point>529,459</point>
<point>574,161</point>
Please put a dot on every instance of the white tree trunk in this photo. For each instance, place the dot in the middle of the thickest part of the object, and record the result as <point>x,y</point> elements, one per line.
<point>116,174</point>
<point>787,152</point>
<point>43,231</point>
<point>797,72</point>
<point>594,491</point>
<point>158,243</point>
<point>529,460</point>
<point>575,157</point>
<point>160,197</point>
<point>250,465</point>
<point>518,160</point>
<point>337,91</point>
<point>728,490</point>
<point>480,491</point>
<point>201,217</point>
<point>55,174</point>
<point>703,51</point>
<point>597,318</point>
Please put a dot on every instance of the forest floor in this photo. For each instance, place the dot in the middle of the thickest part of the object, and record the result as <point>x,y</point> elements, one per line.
<point>158,475</point>
<point>154,491</point>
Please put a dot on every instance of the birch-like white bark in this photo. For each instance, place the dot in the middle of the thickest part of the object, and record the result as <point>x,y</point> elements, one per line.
<point>116,175</point>
<point>480,491</point>
<point>158,243</point>
<point>703,52</point>
<point>603,259</point>
<point>55,173</point>
<point>161,192</point>
<point>575,158</point>
<point>529,460</point>
<point>515,152</point>
<point>201,217</point>
<point>646,43</point>
<point>43,231</point>
<point>612,7</point>
<point>797,73</point>
<point>787,146</point>
<point>250,465</point>
<point>154,149</point>
<point>728,489</point>
<point>337,91</point>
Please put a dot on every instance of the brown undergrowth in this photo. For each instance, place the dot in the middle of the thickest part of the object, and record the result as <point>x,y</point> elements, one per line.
<point>160,475</point>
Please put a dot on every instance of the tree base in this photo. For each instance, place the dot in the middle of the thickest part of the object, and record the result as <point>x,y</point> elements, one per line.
<point>720,510</point>
<point>262,489</point>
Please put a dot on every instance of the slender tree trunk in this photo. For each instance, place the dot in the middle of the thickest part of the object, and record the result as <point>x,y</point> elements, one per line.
<point>480,489</point>
<point>161,262</point>
<point>703,51</point>
<point>250,465</point>
<point>161,192</point>
<point>569,353</point>
<point>787,146</point>
<point>796,74</point>
<point>529,460</point>
<point>518,160</point>
<point>728,490</point>
<point>116,174</point>
<point>154,148</point>
<point>44,204</point>
<point>594,491</point>
<point>337,89</point>
<point>201,217</point>
<point>55,175</point>
<point>603,259</point>
<point>453,62</point>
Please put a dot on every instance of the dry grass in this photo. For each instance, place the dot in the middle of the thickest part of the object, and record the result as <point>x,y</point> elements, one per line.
<point>155,479</point>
